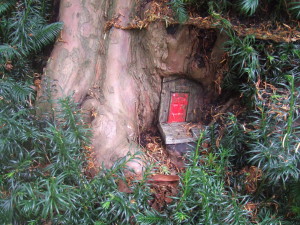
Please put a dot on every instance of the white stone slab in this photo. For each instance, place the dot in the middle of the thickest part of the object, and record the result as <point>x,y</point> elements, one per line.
<point>175,133</point>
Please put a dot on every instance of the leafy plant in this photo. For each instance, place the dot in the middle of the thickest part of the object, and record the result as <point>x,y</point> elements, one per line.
<point>24,30</point>
<point>6,6</point>
<point>264,74</point>
<point>43,176</point>
<point>248,6</point>
<point>295,9</point>
<point>204,198</point>
<point>274,149</point>
<point>178,7</point>
<point>280,10</point>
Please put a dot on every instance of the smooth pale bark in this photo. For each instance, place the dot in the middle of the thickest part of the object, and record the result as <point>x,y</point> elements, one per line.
<point>115,75</point>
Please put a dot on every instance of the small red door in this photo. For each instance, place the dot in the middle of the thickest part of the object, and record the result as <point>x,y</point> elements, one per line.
<point>178,107</point>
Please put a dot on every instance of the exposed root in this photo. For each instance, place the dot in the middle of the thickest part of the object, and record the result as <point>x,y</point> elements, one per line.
<point>229,103</point>
<point>159,12</point>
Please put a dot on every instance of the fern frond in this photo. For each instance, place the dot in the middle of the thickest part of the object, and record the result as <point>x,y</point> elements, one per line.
<point>248,7</point>
<point>46,35</point>
<point>295,9</point>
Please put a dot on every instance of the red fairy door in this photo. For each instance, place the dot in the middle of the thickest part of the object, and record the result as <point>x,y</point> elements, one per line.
<point>178,107</point>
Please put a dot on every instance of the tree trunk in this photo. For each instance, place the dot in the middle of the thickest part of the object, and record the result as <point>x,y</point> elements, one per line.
<point>115,75</point>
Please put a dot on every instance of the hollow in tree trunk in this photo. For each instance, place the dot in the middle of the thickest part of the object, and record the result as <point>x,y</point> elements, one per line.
<point>115,75</point>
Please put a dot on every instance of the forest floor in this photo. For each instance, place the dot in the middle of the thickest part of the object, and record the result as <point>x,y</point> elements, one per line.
<point>167,166</point>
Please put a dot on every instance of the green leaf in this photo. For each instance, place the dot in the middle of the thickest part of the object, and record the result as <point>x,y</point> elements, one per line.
<point>248,7</point>
<point>8,52</point>
<point>178,7</point>
<point>295,9</point>
<point>5,6</point>
<point>46,35</point>
<point>150,218</point>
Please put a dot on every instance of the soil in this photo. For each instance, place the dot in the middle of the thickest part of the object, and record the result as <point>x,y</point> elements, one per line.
<point>155,151</point>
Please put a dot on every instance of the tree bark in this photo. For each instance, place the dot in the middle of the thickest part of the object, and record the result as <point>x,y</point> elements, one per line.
<point>115,75</point>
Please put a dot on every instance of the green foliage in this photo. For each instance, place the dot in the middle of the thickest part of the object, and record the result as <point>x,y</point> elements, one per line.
<point>8,52</point>
<point>43,160</point>
<point>265,74</point>
<point>6,6</point>
<point>42,164</point>
<point>153,217</point>
<point>24,30</point>
<point>204,197</point>
<point>178,7</point>
<point>248,7</point>
<point>42,168</point>
<point>34,178</point>
<point>275,140</point>
<point>295,9</point>
<point>251,61</point>
<point>294,197</point>
<point>235,139</point>
<point>244,63</point>
<point>278,9</point>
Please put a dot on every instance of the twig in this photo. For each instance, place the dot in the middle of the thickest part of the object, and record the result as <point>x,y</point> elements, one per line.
<point>224,108</point>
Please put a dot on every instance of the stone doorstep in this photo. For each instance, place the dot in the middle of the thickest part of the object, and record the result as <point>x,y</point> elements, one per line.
<point>176,133</point>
